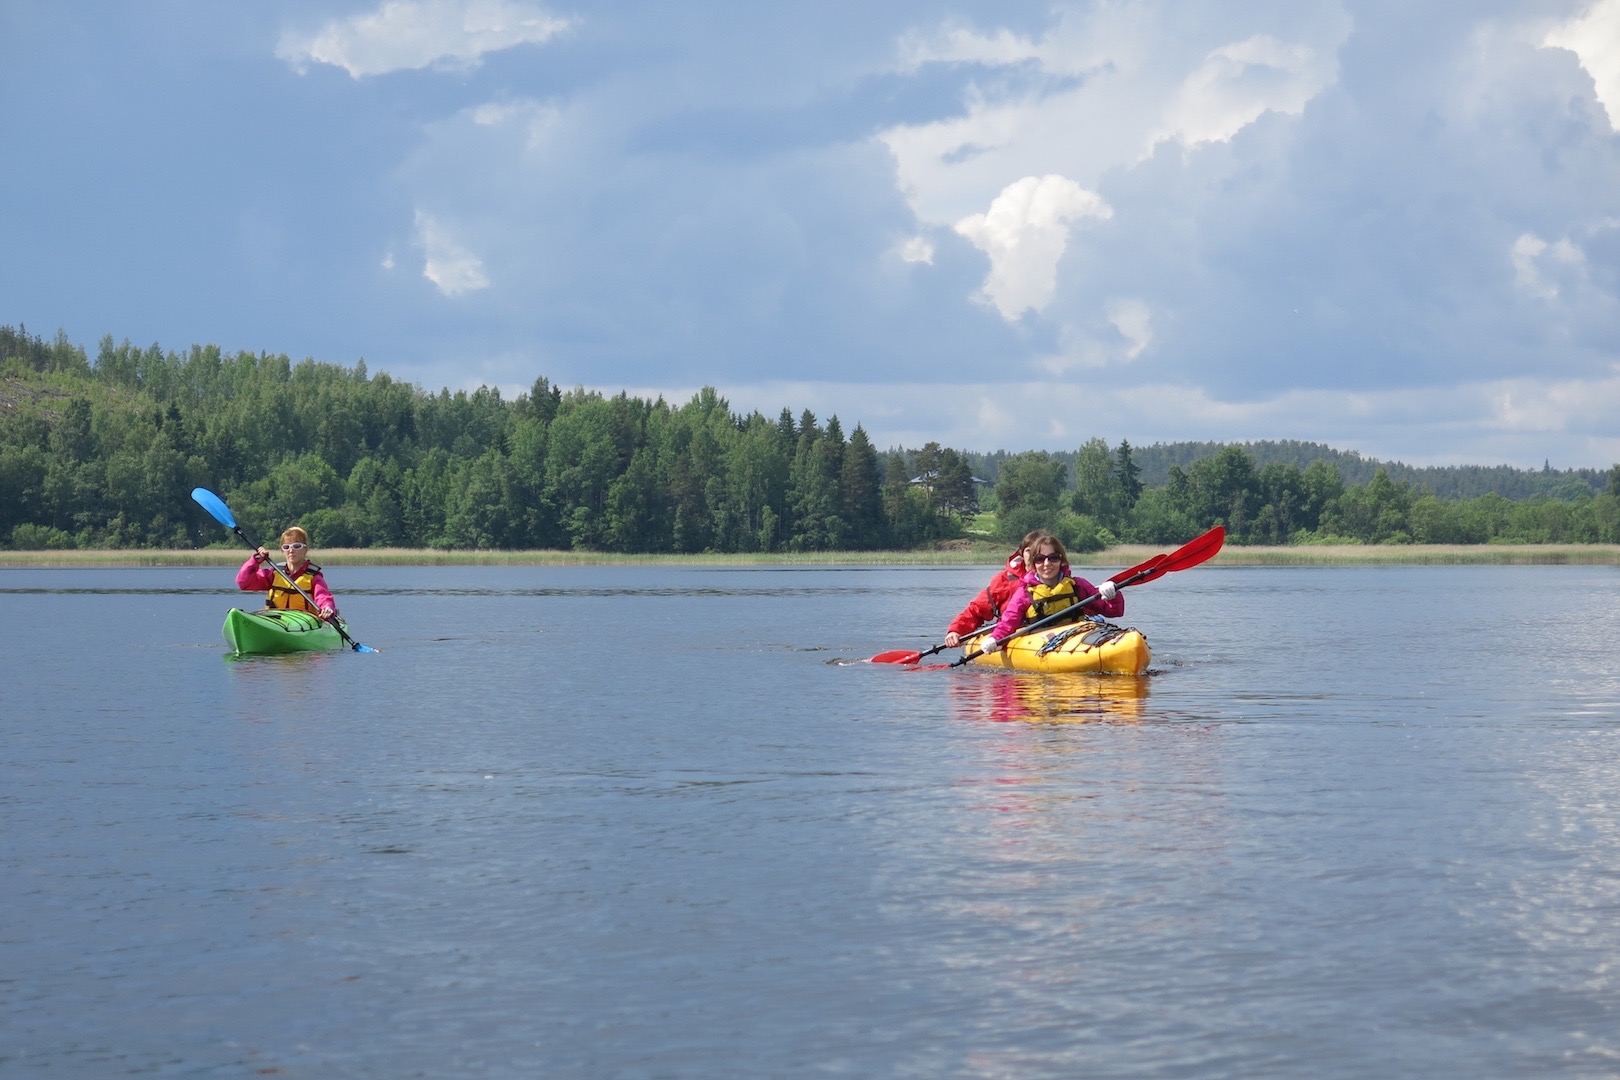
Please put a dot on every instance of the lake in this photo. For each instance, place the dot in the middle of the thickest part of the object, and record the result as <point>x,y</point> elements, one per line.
<point>663,822</point>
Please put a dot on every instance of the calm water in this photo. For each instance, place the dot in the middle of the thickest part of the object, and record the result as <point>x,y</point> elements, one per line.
<point>652,822</point>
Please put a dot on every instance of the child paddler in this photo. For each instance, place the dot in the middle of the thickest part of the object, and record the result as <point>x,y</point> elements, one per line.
<point>259,575</point>
<point>1049,587</point>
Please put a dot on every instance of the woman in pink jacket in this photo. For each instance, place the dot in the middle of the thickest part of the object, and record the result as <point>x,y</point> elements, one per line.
<point>1049,587</point>
<point>259,574</point>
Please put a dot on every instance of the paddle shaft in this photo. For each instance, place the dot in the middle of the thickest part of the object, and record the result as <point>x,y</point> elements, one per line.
<point>909,656</point>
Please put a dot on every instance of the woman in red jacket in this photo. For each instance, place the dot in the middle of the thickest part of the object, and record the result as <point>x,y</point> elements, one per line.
<point>988,605</point>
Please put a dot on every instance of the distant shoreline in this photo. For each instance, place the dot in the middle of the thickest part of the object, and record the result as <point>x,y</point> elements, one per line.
<point>985,556</point>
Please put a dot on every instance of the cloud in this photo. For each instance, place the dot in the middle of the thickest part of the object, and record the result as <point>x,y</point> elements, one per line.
<point>1100,91</point>
<point>1536,264</point>
<point>1025,232</point>
<point>1595,38</point>
<point>1238,83</point>
<point>1522,420</point>
<point>1263,221</point>
<point>916,249</point>
<point>455,270</point>
<point>1134,321</point>
<point>407,35</point>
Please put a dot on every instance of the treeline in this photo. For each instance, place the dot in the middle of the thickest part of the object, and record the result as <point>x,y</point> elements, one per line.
<point>1277,503</point>
<point>1155,461</point>
<point>101,452</point>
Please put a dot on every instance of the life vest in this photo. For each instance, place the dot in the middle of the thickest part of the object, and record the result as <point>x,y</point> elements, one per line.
<point>285,597</point>
<point>1045,599</point>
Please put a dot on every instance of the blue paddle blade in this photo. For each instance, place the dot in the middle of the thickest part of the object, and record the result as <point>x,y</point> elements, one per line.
<point>215,506</point>
<point>363,648</point>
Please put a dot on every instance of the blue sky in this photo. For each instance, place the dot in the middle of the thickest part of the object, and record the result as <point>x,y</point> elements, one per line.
<point>1390,227</point>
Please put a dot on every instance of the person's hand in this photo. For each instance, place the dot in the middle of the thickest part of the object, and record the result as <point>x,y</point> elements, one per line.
<point>988,644</point>
<point>1108,590</point>
<point>328,612</point>
<point>260,555</point>
<point>952,640</point>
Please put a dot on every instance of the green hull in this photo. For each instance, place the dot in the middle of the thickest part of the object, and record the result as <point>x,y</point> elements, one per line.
<point>268,631</point>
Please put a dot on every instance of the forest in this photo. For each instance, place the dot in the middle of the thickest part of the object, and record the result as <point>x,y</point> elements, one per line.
<point>102,452</point>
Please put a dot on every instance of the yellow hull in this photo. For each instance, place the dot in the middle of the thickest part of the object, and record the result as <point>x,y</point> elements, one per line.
<point>1086,646</point>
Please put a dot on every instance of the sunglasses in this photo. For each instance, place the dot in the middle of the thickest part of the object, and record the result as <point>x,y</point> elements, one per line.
<point>1050,556</point>
<point>293,547</point>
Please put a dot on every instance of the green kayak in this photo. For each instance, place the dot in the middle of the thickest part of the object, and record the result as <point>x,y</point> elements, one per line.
<point>273,631</point>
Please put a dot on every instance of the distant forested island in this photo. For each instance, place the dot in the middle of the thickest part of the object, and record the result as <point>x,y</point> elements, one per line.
<point>102,451</point>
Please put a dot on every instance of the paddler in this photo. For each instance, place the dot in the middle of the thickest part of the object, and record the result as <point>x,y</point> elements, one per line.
<point>988,605</point>
<point>1049,587</point>
<point>259,574</point>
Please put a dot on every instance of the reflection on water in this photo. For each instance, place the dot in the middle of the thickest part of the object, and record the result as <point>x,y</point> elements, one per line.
<point>1010,696</point>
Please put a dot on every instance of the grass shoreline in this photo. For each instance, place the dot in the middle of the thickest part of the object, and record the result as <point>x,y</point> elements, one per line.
<point>980,555</point>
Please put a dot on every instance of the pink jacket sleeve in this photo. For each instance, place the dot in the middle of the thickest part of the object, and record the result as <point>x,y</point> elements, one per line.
<point>1107,609</point>
<point>1012,616</point>
<point>255,576</point>
<point>320,593</point>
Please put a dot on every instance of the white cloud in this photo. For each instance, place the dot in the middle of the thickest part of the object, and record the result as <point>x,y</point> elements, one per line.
<point>1025,232</point>
<point>1240,82</point>
<point>1134,321</point>
<point>961,45</point>
<point>454,269</point>
<point>917,249</point>
<point>1595,38</point>
<point>1536,263</point>
<point>1087,102</point>
<point>533,120</point>
<point>407,35</point>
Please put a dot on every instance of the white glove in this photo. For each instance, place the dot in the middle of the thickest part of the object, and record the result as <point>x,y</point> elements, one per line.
<point>988,644</point>
<point>1108,590</point>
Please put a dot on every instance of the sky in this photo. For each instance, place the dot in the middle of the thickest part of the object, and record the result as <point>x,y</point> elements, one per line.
<point>1393,228</point>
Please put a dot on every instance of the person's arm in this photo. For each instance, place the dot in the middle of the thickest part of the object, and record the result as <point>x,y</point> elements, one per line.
<point>322,596</point>
<point>1112,604</point>
<point>1011,616</point>
<point>255,575</point>
<point>976,614</point>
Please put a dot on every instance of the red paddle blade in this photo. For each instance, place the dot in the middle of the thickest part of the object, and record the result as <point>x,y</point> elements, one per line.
<point>1195,551</point>
<point>897,656</point>
<point>1191,553</point>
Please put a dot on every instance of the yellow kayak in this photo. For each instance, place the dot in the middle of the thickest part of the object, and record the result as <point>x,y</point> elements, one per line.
<point>1090,645</point>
